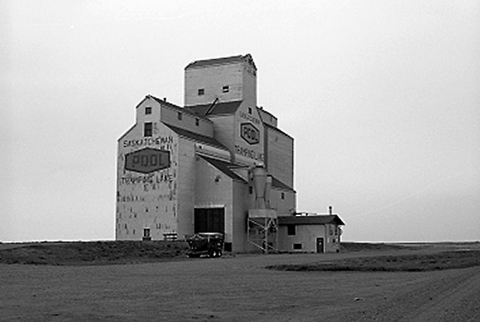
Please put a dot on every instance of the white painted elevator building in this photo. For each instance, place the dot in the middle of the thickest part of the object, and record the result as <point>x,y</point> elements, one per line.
<point>183,170</point>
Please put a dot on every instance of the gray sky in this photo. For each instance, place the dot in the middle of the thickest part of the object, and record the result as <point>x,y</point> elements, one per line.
<point>382,98</point>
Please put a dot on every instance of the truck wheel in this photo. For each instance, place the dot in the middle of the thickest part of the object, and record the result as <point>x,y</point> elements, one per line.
<point>211,253</point>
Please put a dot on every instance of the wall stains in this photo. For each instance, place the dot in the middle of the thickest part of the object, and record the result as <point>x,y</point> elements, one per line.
<point>146,195</point>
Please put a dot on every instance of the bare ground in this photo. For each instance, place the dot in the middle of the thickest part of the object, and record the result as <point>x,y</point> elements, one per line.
<point>238,289</point>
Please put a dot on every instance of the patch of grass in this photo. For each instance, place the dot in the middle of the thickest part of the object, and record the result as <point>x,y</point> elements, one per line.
<point>346,247</point>
<point>93,253</point>
<point>401,263</point>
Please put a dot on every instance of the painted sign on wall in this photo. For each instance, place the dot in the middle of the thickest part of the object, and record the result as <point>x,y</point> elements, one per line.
<point>147,160</point>
<point>249,133</point>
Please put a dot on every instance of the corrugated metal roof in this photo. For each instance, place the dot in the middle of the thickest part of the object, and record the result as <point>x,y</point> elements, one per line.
<point>223,167</point>
<point>215,108</point>
<point>197,137</point>
<point>310,220</point>
<point>219,61</point>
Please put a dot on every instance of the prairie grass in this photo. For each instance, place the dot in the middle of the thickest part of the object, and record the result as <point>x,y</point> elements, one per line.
<point>398,263</point>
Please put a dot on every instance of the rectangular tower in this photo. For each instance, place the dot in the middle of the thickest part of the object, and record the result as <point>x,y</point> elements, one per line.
<point>221,79</point>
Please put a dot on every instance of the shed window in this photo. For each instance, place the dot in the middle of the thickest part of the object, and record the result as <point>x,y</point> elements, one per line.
<point>291,230</point>
<point>180,116</point>
<point>147,129</point>
<point>225,89</point>
<point>249,110</point>
<point>201,91</point>
<point>197,122</point>
<point>282,195</point>
<point>297,246</point>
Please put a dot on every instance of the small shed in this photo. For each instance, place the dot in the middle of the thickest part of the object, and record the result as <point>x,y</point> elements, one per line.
<point>310,233</point>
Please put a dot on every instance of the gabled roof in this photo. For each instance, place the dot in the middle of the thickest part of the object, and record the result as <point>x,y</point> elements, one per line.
<point>310,220</point>
<point>214,108</point>
<point>164,102</point>
<point>197,137</point>
<point>223,167</point>
<point>221,61</point>
<point>171,105</point>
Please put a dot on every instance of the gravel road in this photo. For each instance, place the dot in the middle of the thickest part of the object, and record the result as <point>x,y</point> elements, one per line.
<point>236,289</point>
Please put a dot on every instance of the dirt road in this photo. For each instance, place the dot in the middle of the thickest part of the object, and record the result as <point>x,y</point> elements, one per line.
<point>452,295</point>
<point>235,289</point>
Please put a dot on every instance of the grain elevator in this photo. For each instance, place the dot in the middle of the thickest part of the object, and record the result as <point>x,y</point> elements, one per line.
<point>220,163</point>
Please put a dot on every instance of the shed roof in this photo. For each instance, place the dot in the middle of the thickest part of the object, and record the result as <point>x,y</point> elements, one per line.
<point>197,137</point>
<point>310,220</point>
<point>224,167</point>
<point>279,184</point>
<point>215,108</point>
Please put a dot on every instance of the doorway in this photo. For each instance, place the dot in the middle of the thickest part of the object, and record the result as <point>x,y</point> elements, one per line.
<point>320,245</point>
<point>209,220</point>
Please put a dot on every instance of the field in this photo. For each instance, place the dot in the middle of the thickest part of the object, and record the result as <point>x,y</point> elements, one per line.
<point>111,281</point>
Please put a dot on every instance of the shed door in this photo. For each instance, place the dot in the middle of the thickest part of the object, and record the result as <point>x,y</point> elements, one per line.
<point>209,220</point>
<point>320,246</point>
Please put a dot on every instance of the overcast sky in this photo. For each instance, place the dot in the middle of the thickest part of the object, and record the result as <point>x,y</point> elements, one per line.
<point>382,98</point>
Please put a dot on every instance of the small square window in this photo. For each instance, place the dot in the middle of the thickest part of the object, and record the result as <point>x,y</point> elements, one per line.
<point>148,110</point>
<point>291,230</point>
<point>297,246</point>
<point>201,91</point>
<point>197,122</point>
<point>225,89</point>
<point>180,116</point>
<point>148,129</point>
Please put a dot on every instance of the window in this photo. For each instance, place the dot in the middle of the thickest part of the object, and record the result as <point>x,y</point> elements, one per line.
<point>148,110</point>
<point>282,195</point>
<point>291,230</point>
<point>147,129</point>
<point>180,116</point>
<point>250,190</point>
<point>146,232</point>
<point>249,110</point>
<point>197,122</point>
<point>297,246</point>
<point>225,89</point>
<point>201,91</point>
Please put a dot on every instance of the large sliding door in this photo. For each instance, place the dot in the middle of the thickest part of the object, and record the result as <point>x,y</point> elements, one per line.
<point>209,220</point>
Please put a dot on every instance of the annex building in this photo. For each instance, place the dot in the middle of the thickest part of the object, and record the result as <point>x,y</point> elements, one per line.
<point>220,163</point>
